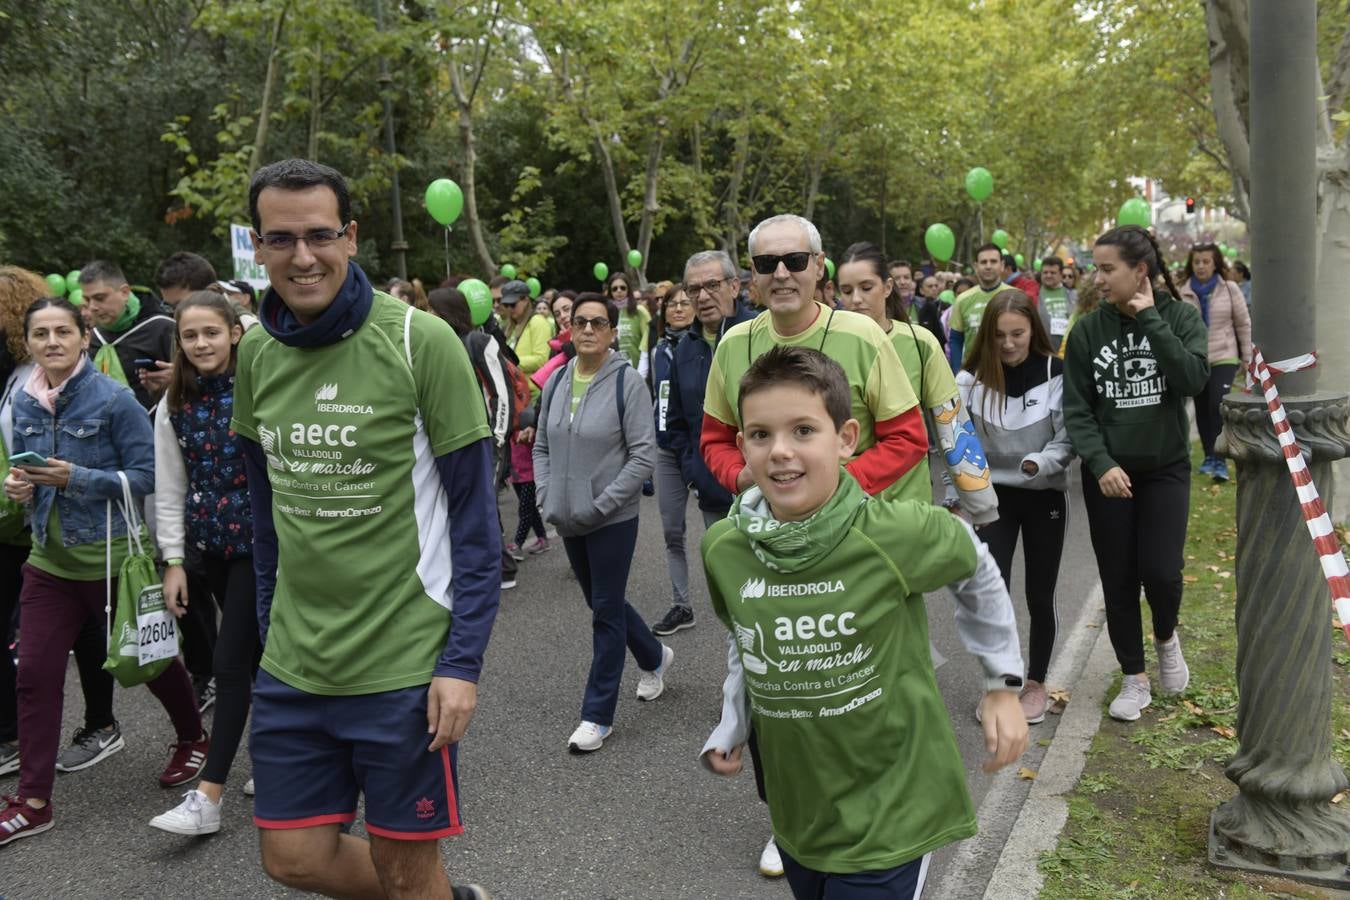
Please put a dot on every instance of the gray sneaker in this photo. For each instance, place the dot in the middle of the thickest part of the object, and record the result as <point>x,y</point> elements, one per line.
<point>90,747</point>
<point>1173,673</point>
<point>9,757</point>
<point>1134,696</point>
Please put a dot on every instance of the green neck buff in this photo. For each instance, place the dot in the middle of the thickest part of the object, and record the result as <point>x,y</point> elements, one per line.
<point>792,546</point>
<point>129,314</point>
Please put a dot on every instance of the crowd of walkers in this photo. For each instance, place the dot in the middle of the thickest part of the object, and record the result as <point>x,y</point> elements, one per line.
<point>799,409</point>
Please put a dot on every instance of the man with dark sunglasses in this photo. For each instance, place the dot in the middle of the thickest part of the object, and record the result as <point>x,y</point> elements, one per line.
<point>787,260</point>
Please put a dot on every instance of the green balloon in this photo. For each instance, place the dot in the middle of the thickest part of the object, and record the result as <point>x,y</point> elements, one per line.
<point>508,271</point>
<point>940,241</point>
<point>72,279</point>
<point>1036,265</point>
<point>445,201</point>
<point>600,271</point>
<point>1135,211</point>
<point>979,184</point>
<point>76,296</point>
<point>634,258</point>
<point>829,268</point>
<point>947,296</point>
<point>479,296</point>
<point>535,287</point>
<point>56,284</point>
<point>999,239</point>
<point>1019,260</point>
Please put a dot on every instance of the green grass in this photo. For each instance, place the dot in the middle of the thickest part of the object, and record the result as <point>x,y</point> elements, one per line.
<point>1139,817</point>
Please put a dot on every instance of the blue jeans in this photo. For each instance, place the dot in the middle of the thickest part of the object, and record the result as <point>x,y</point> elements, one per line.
<point>904,882</point>
<point>600,561</point>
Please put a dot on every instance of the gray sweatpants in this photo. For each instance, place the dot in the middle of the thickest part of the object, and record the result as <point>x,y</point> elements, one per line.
<point>672,496</point>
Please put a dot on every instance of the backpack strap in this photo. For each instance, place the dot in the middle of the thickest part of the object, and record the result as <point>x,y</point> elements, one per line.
<point>619,400</point>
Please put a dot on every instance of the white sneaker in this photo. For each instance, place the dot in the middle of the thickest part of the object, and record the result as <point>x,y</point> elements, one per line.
<point>652,684</point>
<point>770,862</point>
<point>194,816</point>
<point>248,788</point>
<point>1134,696</point>
<point>1173,673</point>
<point>589,737</point>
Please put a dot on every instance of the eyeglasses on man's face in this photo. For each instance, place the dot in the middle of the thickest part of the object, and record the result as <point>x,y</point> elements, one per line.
<point>279,241</point>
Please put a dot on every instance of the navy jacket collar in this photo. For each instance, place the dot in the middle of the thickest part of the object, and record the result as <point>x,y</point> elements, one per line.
<point>340,320</point>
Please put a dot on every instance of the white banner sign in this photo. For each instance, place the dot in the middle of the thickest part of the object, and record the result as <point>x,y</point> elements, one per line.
<point>245,269</point>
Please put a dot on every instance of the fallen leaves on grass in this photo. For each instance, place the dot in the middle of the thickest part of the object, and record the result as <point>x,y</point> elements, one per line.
<point>1192,708</point>
<point>1190,579</point>
<point>1026,774</point>
<point>1227,731</point>
<point>1338,798</point>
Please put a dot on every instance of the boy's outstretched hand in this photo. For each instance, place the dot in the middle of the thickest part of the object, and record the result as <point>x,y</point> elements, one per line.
<point>1005,729</point>
<point>730,763</point>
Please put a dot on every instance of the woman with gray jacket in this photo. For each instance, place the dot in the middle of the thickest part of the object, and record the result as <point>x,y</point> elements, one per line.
<point>594,446</point>
<point>1012,385</point>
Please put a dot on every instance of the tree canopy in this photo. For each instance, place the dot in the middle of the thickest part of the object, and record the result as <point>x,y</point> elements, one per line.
<point>586,128</point>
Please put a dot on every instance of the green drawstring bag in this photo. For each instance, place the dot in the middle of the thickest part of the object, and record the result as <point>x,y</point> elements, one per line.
<point>142,634</point>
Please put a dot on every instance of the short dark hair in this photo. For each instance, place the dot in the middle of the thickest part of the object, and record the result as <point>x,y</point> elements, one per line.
<point>42,303</point>
<point>895,263</point>
<point>592,297</point>
<point>298,175</point>
<point>102,270</point>
<point>1053,262</point>
<point>983,247</point>
<point>498,281</point>
<point>806,368</point>
<point>452,306</point>
<point>185,270</point>
<point>1009,261</point>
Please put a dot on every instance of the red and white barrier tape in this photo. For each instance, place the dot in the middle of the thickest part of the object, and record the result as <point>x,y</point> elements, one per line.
<point>1314,512</point>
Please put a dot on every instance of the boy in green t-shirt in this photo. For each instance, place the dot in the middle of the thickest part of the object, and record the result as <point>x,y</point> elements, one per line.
<point>821,587</point>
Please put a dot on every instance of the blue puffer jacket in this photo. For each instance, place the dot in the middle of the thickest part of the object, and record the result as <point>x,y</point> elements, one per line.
<point>99,428</point>
<point>662,357</point>
<point>684,418</point>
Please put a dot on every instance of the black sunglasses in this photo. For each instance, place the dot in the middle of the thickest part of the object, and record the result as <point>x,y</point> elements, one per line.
<point>767,263</point>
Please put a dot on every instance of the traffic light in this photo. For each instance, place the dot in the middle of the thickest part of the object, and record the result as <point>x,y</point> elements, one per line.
<point>1190,204</point>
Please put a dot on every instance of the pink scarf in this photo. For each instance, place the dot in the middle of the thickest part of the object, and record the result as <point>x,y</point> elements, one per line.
<point>41,390</point>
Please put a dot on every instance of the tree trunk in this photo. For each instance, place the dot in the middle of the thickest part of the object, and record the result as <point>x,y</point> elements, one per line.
<point>269,82</point>
<point>650,204</point>
<point>468,165</point>
<point>615,202</point>
<point>1226,22</point>
<point>735,225</point>
<point>315,105</point>
<point>816,166</point>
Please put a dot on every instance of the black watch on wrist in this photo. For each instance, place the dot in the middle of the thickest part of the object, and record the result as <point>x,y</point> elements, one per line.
<point>1013,681</point>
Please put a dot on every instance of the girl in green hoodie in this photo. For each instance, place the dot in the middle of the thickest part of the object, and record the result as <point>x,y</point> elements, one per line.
<point>1130,365</point>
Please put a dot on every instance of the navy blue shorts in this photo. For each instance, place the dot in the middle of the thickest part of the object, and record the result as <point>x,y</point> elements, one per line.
<point>901,883</point>
<point>314,754</point>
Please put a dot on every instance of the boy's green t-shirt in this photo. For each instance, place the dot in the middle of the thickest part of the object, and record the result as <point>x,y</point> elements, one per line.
<point>861,766</point>
<point>351,434</point>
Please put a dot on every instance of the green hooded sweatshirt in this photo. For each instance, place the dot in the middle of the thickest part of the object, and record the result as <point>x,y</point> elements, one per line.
<point>861,766</point>
<point>1126,381</point>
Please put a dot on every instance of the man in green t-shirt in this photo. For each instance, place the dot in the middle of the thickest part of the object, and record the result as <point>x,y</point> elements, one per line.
<point>969,307</point>
<point>821,588</point>
<point>1057,302</point>
<point>369,464</point>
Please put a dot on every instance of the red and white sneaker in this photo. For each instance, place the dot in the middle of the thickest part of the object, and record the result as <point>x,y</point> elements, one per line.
<point>186,762</point>
<point>19,820</point>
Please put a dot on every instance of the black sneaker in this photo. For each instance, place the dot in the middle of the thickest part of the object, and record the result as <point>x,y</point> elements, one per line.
<point>205,689</point>
<point>678,619</point>
<point>469,892</point>
<point>90,746</point>
<point>9,757</point>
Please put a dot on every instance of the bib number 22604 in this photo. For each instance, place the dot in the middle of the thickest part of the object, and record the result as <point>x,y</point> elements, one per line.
<point>156,630</point>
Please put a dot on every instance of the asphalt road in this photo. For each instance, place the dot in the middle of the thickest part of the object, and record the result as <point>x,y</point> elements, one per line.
<point>638,819</point>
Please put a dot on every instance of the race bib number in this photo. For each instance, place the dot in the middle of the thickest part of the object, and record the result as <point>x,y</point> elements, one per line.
<point>156,628</point>
<point>1059,324</point>
<point>662,404</point>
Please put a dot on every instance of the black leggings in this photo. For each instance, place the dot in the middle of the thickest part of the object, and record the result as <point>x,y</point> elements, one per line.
<point>237,652</point>
<point>528,516</point>
<point>1208,420</point>
<point>91,649</point>
<point>1039,516</point>
<point>1140,541</point>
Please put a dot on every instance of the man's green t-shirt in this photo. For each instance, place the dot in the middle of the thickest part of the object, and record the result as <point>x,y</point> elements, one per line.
<point>968,311</point>
<point>878,387</point>
<point>351,432</point>
<point>861,767</point>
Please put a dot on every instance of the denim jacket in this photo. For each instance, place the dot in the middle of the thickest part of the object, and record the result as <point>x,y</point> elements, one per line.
<point>98,428</point>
